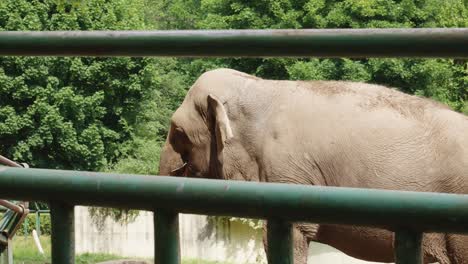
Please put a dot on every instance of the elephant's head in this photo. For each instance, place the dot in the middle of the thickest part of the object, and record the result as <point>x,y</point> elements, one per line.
<point>202,139</point>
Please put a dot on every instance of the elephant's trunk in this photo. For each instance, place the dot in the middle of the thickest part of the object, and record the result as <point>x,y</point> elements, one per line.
<point>170,163</point>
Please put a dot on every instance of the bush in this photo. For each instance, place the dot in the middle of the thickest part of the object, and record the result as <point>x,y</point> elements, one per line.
<point>69,112</point>
<point>31,225</point>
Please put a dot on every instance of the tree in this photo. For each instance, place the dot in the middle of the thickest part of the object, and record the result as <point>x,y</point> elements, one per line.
<point>71,113</point>
<point>442,80</point>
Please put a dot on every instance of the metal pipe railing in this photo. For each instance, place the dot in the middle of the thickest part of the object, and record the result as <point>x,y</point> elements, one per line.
<point>12,206</point>
<point>318,204</point>
<point>11,220</point>
<point>357,43</point>
<point>408,214</point>
<point>166,240</point>
<point>62,221</point>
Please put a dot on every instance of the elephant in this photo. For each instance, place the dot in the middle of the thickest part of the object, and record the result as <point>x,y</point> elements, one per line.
<point>235,126</point>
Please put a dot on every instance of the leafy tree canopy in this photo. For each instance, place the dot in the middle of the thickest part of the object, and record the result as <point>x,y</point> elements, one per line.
<point>443,80</point>
<point>85,113</point>
<point>69,112</point>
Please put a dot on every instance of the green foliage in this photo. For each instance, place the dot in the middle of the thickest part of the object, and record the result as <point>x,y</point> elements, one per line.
<point>442,80</point>
<point>201,261</point>
<point>92,258</point>
<point>99,215</point>
<point>141,154</point>
<point>331,14</point>
<point>25,252</point>
<point>172,14</point>
<point>150,128</point>
<point>31,225</point>
<point>71,113</point>
<point>252,223</point>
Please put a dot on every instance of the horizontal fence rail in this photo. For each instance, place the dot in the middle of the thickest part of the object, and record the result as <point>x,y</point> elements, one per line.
<point>419,211</point>
<point>12,215</point>
<point>357,43</point>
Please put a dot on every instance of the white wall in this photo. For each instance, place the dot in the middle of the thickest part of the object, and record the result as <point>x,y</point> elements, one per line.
<point>200,239</point>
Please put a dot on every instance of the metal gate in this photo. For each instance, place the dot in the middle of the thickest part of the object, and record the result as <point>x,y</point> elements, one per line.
<point>408,214</point>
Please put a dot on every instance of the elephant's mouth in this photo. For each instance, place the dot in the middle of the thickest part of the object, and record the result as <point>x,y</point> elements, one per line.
<point>180,171</point>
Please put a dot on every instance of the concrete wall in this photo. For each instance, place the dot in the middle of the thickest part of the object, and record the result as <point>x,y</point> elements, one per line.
<point>201,238</point>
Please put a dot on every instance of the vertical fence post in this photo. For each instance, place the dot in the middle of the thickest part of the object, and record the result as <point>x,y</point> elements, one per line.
<point>166,237</point>
<point>38,223</point>
<point>408,247</point>
<point>63,233</point>
<point>25,227</point>
<point>280,242</point>
<point>4,256</point>
<point>10,251</point>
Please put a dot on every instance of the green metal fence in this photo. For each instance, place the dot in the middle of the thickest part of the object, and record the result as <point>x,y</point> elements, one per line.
<point>13,215</point>
<point>242,43</point>
<point>408,214</point>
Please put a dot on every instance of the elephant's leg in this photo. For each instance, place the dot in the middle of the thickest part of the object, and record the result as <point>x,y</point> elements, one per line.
<point>265,240</point>
<point>374,244</point>
<point>370,244</point>
<point>300,244</point>
<point>457,247</point>
<point>435,248</point>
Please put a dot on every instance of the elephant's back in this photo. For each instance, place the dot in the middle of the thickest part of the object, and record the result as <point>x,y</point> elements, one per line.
<point>371,136</point>
<point>372,97</point>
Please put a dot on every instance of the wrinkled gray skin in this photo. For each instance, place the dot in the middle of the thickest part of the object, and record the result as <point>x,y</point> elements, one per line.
<point>238,127</point>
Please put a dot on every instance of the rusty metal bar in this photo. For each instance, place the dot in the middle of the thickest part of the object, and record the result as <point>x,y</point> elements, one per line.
<point>361,43</point>
<point>12,206</point>
<point>419,211</point>
<point>22,218</point>
<point>11,222</point>
<point>7,162</point>
<point>3,239</point>
<point>22,209</point>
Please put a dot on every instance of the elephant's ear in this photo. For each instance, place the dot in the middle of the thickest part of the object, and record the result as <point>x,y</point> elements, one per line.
<point>223,128</point>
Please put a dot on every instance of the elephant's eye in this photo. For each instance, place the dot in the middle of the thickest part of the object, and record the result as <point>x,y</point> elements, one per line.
<point>180,141</point>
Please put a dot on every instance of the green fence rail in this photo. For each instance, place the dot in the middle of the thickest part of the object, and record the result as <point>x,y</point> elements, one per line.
<point>12,216</point>
<point>408,214</point>
<point>242,43</point>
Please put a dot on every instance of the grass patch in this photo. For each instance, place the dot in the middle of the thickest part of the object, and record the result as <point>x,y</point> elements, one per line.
<point>25,252</point>
<point>199,261</point>
<point>91,258</point>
